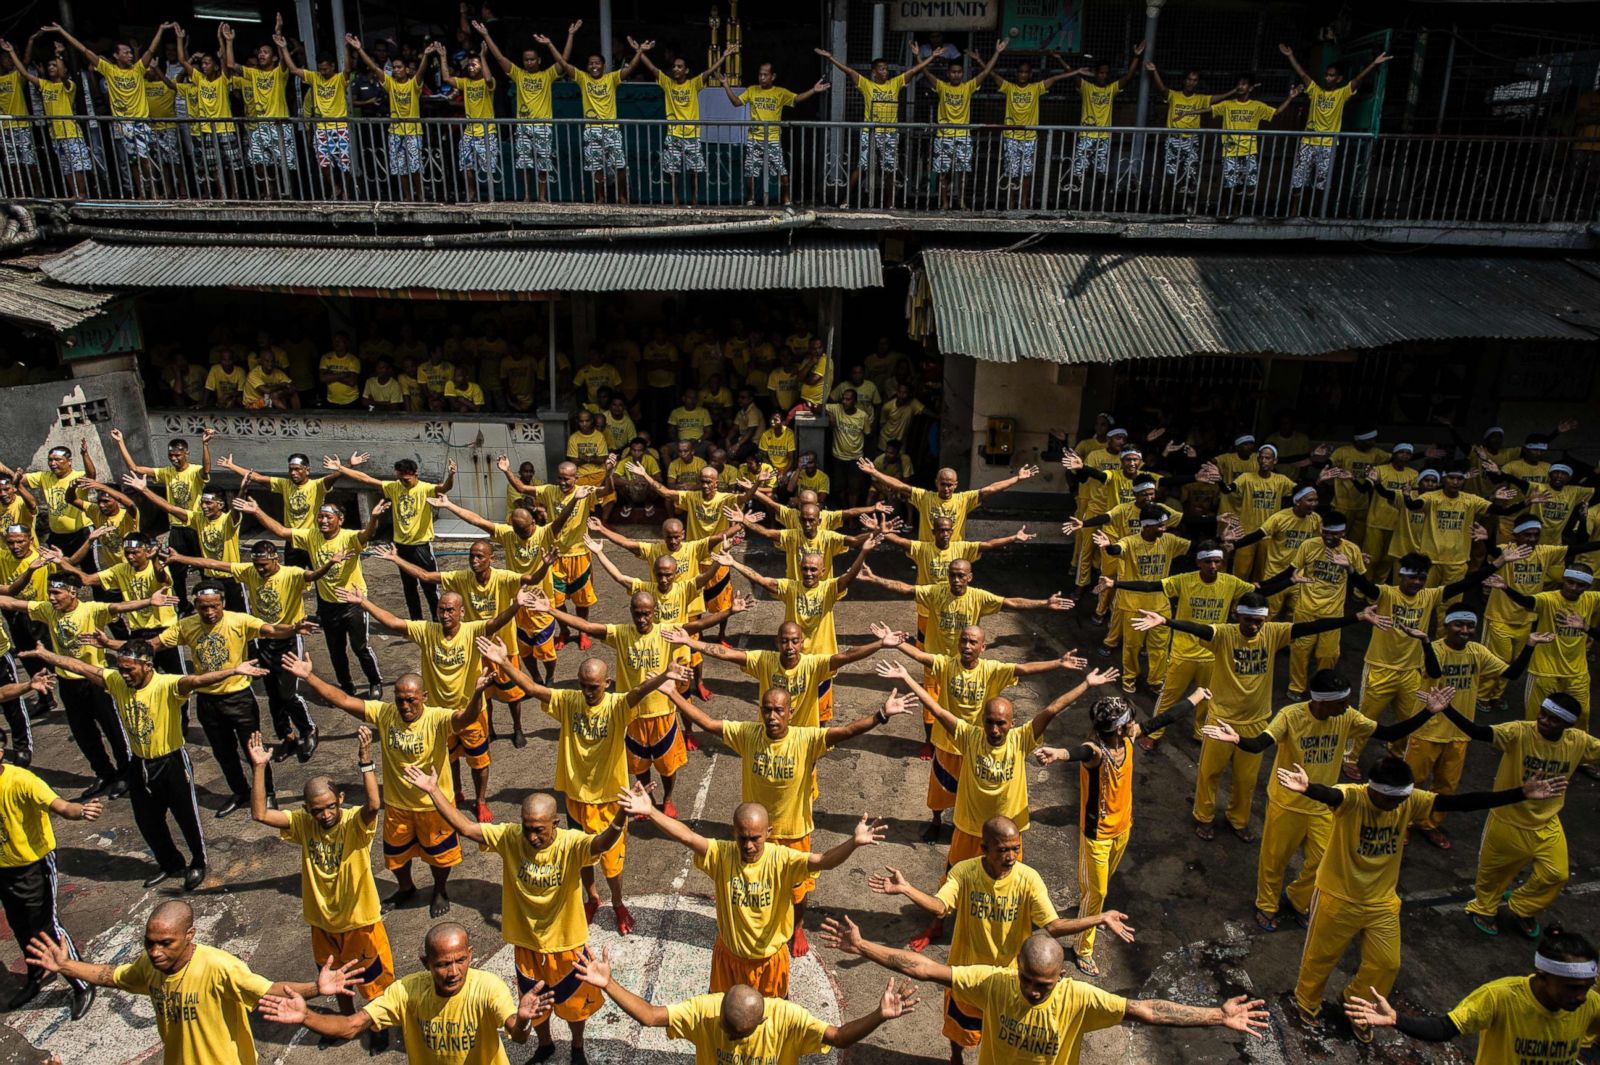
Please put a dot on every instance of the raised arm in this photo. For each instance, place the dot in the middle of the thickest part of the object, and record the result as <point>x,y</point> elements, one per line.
<point>328,693</point>
<point>897,671</point>
<point>1133,64</point>
<point>246,505</point>
<point>428,784</point>
<point>477,521</point>
<point>894,705</point>
<point>141,485</point>
<point>90,57</point>
<point>636,803</point>
<point>95,675</point>
<point>640,56</point>
<point>843,934</point>
<point>1023,473</point>
<point>594,967</point>
<point>127,456</point>
<point>288,60</point>
<point>259,811</point>
<point>860,561</point>
<point>354,44</point>
<point>1155,76</point>
<point>824,53</point>
<point>638,52</point>
<point>597,551</point>
<point>379,614</point>
<point>494,49</point>
<point>1378,61</point>
<point>1294,91</point>
<point>820,86</point>
<point>636,547</point>
<point>731,655</point>
<point>710,72</point>
<point>18,64</point>
<point>889,484</point>
<point>766,584</point>
<point>868,833</point>
<point>1294,64</point>
<point>697,717</point>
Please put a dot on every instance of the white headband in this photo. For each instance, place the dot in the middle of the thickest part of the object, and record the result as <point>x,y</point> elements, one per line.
<point>1411,571</point>
<point>1201,556</point>
<point>1328,697</point>
<point>1562,466</point>
<point>1135,452</point>
<point>1152,521</point>
<point>1241,441</point>
<point>1428,473</point>
<point>1254,611</point>
<point>1302,493</point>
<point>1461,615</point>
<point>1267,447</point>
<point>1536,445</point>
<point>1581,576</point>
<point>1526,524</point>
<point>1487,433</point>
<point>1404,447</point>
<point>1144,484</point>
<point>1455,473</point>
<point>1334,526</point>
<point>1575,970</point>
<point>1556,710</point>
<point>1370,434</point>
<point>1115,432</point>
<point>1126,716</point>
<point>1391,790</point>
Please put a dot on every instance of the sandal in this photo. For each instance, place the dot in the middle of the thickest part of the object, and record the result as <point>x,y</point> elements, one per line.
<point>1529,926</point>
<point>1148,743</point>
<point>1437,837</point>
<point>1267,922</point>
<point>1486,925</point>
<point>1244,834</point>
<point>1086,965</point>
<point>1205,830</point>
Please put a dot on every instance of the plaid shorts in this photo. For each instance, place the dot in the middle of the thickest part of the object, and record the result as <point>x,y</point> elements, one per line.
<point>134,137</point>
<point>682,153</point>
<point>1240,170</point>
<point>164,145</point>
<point>1017,157</point>
<point>764,158</point>
<point>73,155</point>
<point>886,143</point>
<point>602,149</point>
<point>16,146</point>
<point>333,147</point>
<point>534,148</point>
<point>405,154</point>
<point>1091,149</point>
<point>272,144</point>
<point>480,154</point>
<point>952,154</point>
<point>1182,157</point>
<point>219,148</point>
<point>1318,157</point>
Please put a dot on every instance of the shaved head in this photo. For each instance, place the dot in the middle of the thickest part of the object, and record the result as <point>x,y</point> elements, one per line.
<point>751,815</point>
<point>175,914</point>
<point>999,828</point>
<point>412,681</point>
<point>538,805</point>
<point>593,670</point>
<point>320,786</point>
<point>1042,956</point>
<point>742,1009</point>
<point>446,935</point>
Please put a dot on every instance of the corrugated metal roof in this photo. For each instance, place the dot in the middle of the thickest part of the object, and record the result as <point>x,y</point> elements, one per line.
<point>30,297</point>
<point>1076,307</point>
<point>655,267</point>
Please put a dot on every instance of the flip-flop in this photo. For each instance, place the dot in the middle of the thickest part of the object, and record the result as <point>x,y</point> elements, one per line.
<point>1244,834</point>
<point>1267,922</point>
<point>1205,830</point>
<point>1086,966</point>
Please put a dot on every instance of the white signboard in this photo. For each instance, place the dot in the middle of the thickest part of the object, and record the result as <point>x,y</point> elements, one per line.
<point>923,15</point>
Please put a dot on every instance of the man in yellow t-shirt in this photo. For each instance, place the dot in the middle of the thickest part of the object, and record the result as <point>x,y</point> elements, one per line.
<point>1097,90</point>
<point>340,372</point>
<point>1241,160</point>
<point>880,135</point>
<point>330,98</point>
<point>944,500</point>
<point>1185,109</point>
<point>125,76</point>
<point>681,150</point>
<point>1325,116</point>
<point>478,153</point>
<point>1020,140</point>
<point>753,880</point>
<point>952,145</point>
<point>534,146</point>
<point>216,991</point>
<point>742,1025</point>
<point>338,895</point>
<point>1036,1014</point>
<point>763,146</point>
<point>409,497</point>
<point>404,88</point>
<point>603,152</point>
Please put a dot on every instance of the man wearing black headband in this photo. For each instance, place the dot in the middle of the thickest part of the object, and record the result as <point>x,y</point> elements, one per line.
<point>413,526</point>
<point>1148,556</point>
<point>1525,566</point>
<point>56,484</point>
<point>1254,496</point>
<point>302,493</point>
<point>183,482</point>
<point>1321,571</point>
<point>216,529</point>
<point>1283,532</point>
<point>1383,515</point>
<point>141,572</point>
<point>72,624</point>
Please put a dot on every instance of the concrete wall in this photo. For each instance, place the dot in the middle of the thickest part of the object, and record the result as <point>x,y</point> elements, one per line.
<point>37,418</point>
<point>1041,396</point>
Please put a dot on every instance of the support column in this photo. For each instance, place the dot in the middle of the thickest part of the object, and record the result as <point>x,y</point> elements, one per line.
<point>308,32</point>
<point>605,32</point>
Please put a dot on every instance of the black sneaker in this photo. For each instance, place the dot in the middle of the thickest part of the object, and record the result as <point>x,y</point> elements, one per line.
<point>194,877</point>
<point>231,806</point>
<point>82,1000</point>
<point>100,786</point>
<point>26,993</point>
<point>375,691</point>
<point>285,748</point>
<point>118,789</point>
<point>160,876</point>
<point>307,747</point>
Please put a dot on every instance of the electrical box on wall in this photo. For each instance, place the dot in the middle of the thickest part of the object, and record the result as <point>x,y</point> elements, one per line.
<point>999,444</point>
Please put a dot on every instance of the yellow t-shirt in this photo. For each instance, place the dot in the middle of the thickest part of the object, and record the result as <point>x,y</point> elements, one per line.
<point>183,488</point>
<point>803,682</point>
<point>955,107</point>
<point>1527,576</point>
<point>450,664</point>
<point>1362,862</point>
<point>219,536</point>
<point>1324,597</point>
<point>784,384</point>
<point>1256,498</point>
<point>1383,513</point>
<point>54,494</point>
<point>755,905</point>
<point>1514,1028</point>
<point>1524,752</point>
<point>766,110</point>
<point>682,99</point>
<point>413,518</point>
<point>152,716</point>
<point>339,393</point>
<point>1241,679</point>
<point>124,88</point>
<point>1390,648</point>
<point>209,98</point>
<point>300,501</point>
<point>948,614</point>
<point>25,831</point>
<point>994,780</point>
<point>463,1029</point>
<point>336,885</point>
<point>1318,746</point>
<point>963,691</point>
<point>929,506</point>
<point>477,102</point>
<point>405,101</point>
<point>881,101</point>
<point>589,451</point>
<point>814,393</point>
<point>57,97</point>
<point>1148,560</point>
<point>485,601</point>
<point>202,1010</point>
<point>424,743</point>
<point>226,384</point>
<point>1241,114</point>
<point>376,391</point>
<point>472,393</point>
<point>533,91</point>
<point>1565,656</point>
<point>933,564</point>
<point>131,585</point>
<point>786,1033</point>
<point>1346,495</point>
<point>1185,109</point>
<point>689,424</point>
<point>569,541</point>
<point>599,94</point>
<point>1448,539</point>
<point>13,99</point>
<point>1326,114</point>
<point>541,897</point>
<point>330,97</point>
<point>994,917</point>
<point>1206,604</point>
<point>590,762</point>
<point>779,448</point>
<point>777,773</point>
<point>1016,1032</point>
<point>220,646</point>
<point>1283,533</point>
<point>850,429</point>
<point>67,630</point>
<point>703,517</point>
<point>639,657</point>
<point>346,574</point>
<point>812,610</point>
<point>264,91</point>
<point>1463,670</point>
<point>793,543</point>
<point>1096,106</point>
<point>1022,108</point>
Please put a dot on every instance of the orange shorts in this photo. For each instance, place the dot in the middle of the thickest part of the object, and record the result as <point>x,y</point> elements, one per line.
<point>503,689</point>
<point>409,834</point>
<point>770,975</point>
<point>944,773</point>
<point>368,944</point>
<point>922,629</point>
<point>573,581</point>
<point>930,686</point>
<point>963,1022</point>
<point>963,846</point>
<point>803,845</point>
<point>656,741</point>
<point>536,636</point>
<point>595,818</point>
<point>472,743</point>
<point>575,999</point>
<point>824,701</point>
<point>719,591</point>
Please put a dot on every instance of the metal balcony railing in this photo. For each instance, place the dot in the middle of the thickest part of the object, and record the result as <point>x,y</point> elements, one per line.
<point>916,167</point>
